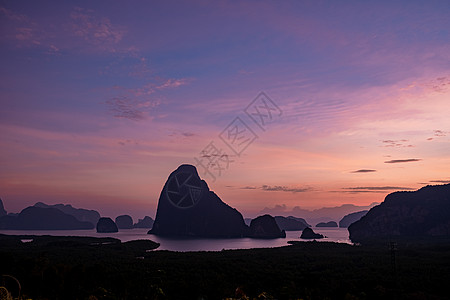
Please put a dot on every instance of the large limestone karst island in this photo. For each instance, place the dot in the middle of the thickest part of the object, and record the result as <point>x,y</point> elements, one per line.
<point>422,213</point>
<point>187,207</point>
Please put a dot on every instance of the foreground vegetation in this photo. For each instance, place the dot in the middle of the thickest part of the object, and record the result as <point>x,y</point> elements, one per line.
<point>91,268</point>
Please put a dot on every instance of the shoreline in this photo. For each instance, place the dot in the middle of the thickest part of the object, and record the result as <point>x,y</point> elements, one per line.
<point>80,267</point>
<point>193,244</point>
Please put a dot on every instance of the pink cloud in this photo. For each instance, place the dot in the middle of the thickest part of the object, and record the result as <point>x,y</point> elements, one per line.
<point>12,15</point>
<point>98,31</point>
<point>123,107</point>
<point>24,34</point>
<point>137,103</point>
<point>173,83</point>
<point>20,28</point>
<point>82,30</point>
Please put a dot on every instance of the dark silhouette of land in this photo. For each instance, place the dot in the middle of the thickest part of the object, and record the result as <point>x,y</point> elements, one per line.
<point>42,216</point>
<point>187,208</point>
<point>124,222</point>
<point>309,234</point>
<point>81,214</point>
<point>265,227</point>
<point>402,252</point>
<point>351,218</point>
<point>83,268</point>
<point>37,218</point>
<point>291,223</point>
<point>327,224</point>
<point>2,209</point>
<point>323,214</point>
<point>422,213</point>
<point>146,222</point>
<point>106,225</point>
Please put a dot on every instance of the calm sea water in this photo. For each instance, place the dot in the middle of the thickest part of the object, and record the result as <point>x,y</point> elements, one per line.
<point>339,235</point>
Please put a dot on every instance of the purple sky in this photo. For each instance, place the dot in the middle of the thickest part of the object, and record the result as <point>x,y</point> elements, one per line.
<point>100,101</point>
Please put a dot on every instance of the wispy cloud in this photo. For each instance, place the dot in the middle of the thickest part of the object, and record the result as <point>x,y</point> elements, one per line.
<point>279,188</point>
<point>364,171</point>
<point>81,29</point>
<point>132,109</point>
<point>180,133</point>
<point>136,103</point>
<point>20,28</point>
<point>440,133</point>
<point>172,83</point>
<point>245,72</point>
<point>128,142</point>
<point>440,181</point>
<point>94,30</point>
<point>310,112</point>
<point>377,188</point>
<point>396,143</point>
<point>438,85</point>
<point>396,161</point>
<point>12,15</point>
<point>359,192</point>
<point>372,189</point>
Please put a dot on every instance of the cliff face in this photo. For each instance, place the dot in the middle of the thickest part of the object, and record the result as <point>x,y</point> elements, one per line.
<point>425,212</point>
<point>146,222</point>
<point>265,227</point>
<point>124,222</point>
<point>291,223</point>
<point>351,218</point>
<point>106,225</point>
<point>187,207</point>
<point>2,209</point>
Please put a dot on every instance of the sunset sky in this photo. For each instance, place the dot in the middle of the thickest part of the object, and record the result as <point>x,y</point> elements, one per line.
<point>101,101</point>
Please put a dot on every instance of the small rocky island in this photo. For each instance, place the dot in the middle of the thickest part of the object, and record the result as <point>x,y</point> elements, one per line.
<point>327,224</point>
<point>291,223</point>
<point>266,227</point>
<point>146,222</point>
<point>309,234</point>
<point>106,225</point>
<point>124,222</point>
